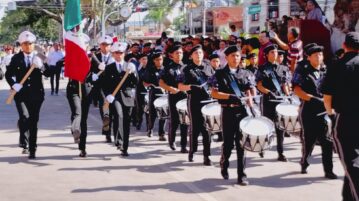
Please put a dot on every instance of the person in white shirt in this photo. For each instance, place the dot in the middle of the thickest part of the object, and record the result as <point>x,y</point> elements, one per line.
<point>52,59</point>
<point>220,52</point>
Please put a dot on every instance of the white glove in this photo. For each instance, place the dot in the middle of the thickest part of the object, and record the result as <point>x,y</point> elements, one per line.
<point>37,62</point>
<point>17,87</point>
<point>102,66</point>
<point>131,67</point>
<point>94,77</point>
<point>110,98</point>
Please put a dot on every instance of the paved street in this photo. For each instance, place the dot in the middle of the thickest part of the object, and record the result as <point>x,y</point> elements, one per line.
<point>152,172</point>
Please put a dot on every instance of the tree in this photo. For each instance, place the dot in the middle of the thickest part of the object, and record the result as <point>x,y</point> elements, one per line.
<point>27,19</point>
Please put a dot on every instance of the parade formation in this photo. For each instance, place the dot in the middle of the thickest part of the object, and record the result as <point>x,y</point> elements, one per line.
<point>247,93</point>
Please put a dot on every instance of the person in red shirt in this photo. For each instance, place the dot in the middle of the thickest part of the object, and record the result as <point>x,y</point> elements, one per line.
<point>264,40</point>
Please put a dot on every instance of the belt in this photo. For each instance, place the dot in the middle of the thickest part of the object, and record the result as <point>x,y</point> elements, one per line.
<point>230,105</point>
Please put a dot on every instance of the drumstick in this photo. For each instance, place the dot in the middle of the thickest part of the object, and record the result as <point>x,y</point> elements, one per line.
<point>209,101</point>
<point>23,80</point>
<point>321,114</point>
<point>118,87</point>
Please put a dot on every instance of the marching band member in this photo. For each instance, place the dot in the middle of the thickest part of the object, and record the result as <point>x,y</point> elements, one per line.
<point>140,91</point>
<point>196,74</point>
<point>273,80</point>
<point>101,60</point>
<point>122,103</point>
<point>341,99</point>
<point>77,95</point>
<point>30,95</point>
<point>306,81</point>
<point>228,86</point>
<point>215,63</point>
<point>151,78</point>
<point>169,82</point>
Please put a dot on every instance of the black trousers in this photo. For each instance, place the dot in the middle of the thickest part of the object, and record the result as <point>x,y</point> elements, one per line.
<point>79,113</point>
<point>268,110</point>
<point>174,120</point>
<point>121,123</point>
<point>152,114</point>
<point>29,111</point>
<point>197,126</point>
<point>231,134</point>
<point>55,74</point>
<point>314,128</point>
<point>346,140</point>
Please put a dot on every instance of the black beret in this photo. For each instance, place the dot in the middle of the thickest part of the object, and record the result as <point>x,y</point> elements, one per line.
<point>269,48</point>
<point>155,54</point>
<point>213,56</point>
<point>195,48</point>
<point>147,45</point>
<point>141,55</point>
<point>314,49</point>
<point>251,55</point>
<point>281,52</point>
<point>352,39</point>
<point>307,46</point>
<point>229,50</point>
<point>174,48</point>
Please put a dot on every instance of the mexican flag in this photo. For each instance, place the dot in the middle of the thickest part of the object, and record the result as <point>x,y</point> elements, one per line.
<point>77,64</point>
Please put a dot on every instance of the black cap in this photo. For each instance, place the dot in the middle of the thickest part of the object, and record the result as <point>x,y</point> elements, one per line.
<point>174,48</point>
<point>195,48</point>
<point>213,56</point>
<point>352,40</point>
<point>243,56</point>
<point>307,46</point>
<point>231,49</point>
<point>269,48</point>
<point>314,49</point>
<point>281,52</point>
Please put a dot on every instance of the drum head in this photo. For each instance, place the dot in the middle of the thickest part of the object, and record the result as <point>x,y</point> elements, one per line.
<point>161,101</point>
<point>146,98</point>
<point>257,126</point>
<point>287,109</point>
<point>182,104</point>
<point>212,109</point>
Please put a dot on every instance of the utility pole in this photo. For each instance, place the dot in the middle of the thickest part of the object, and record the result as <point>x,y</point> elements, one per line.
<point>204,19</point>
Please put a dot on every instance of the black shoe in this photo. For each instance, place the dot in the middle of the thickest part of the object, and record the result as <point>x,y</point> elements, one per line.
<point>282,158</point>
<point>25,151</point>
<point>243,181</point>
<point>261,154</point>
<point>173,146</point>
<point>184,150</point>
<point>149,133</point>
<point>83,154</point>
<point>124,153</point>
<point>52,93</point>
<point>190,157</point>
<point>304,168</point>
<point>331,175</point>
<point>286,134</point>
<point>32,155</point>
<point>207,161</point>
<point>162,138</point>
<point>138,127</point>
<point>108,139</point>
<point>224,173</point>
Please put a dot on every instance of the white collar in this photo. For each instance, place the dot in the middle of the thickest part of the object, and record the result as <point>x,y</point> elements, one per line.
<point>26,55</point>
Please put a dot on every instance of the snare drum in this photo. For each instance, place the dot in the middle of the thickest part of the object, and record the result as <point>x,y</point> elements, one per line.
<point>257,133</point>
<point>183,112</point>
<point>288,118</point>
<point>161,105</point>
<point>328,123</point>
<point>212,117</point>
